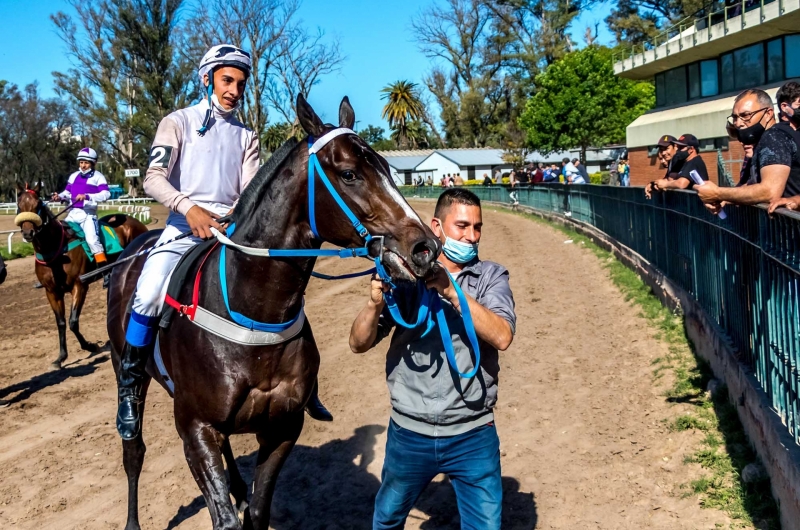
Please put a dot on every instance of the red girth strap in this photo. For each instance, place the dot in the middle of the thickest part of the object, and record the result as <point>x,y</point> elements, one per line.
<point>190,310</point>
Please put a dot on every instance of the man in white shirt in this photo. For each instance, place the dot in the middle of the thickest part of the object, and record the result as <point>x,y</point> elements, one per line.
<point>201,159</point>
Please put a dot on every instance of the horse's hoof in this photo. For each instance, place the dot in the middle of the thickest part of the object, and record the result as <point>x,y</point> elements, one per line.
<point>55,365</point>
<point>91,347</point>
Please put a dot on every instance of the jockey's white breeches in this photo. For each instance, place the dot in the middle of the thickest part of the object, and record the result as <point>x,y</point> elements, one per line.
<point>151,289</point>
<point>88,223</point>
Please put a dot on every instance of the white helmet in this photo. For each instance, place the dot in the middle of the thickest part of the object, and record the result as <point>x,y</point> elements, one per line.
<point>224,55</point>
<point>87,153</point>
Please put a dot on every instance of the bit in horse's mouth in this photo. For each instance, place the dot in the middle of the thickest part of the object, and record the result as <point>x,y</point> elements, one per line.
<point>401,265</point>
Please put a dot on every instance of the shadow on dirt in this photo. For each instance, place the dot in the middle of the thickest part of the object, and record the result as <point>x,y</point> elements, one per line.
<point>329,487</point>
<point>39,382</point>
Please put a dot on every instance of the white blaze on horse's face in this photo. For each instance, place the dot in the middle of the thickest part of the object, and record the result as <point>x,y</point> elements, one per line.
<point>398,198</point>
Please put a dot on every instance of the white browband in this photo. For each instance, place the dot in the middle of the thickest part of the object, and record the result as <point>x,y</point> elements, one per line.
<point>327,137</point>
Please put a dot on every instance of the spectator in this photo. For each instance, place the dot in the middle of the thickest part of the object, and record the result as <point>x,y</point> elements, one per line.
<point>624,172</point>
<point>524,178</point>
<point>443,182</point>
<point>538,174</point>
<point>582,170</point>
<point>458,181</point>
<point>498,176</point>
<point>551,174</point>
<point>571,173</point>
<point>429,180</point>
<point>486,180</point>
<point>788,97</point>
<point>775,167</point>
<point>686,158</point>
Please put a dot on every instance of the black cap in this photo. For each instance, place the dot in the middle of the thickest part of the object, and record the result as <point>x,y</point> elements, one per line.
<point>667,140</point>
<point>689,140</point>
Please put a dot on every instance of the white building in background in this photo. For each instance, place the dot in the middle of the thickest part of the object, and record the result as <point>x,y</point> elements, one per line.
<point>472,164</point>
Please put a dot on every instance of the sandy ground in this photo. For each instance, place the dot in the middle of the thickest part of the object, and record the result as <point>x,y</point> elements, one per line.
<point>581,422</point>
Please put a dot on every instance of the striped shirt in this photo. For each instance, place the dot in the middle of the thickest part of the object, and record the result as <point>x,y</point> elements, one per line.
<point>93,185</point>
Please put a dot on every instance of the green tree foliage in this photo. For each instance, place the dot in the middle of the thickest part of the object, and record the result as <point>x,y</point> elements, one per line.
<point>581,103</point>
<point>274,136</point>
<point>488,55</point>
<point>36,140</point>
<point>132,64</point>
<point>636,21</point>
<point>402,106</point>
<point>375,137</point>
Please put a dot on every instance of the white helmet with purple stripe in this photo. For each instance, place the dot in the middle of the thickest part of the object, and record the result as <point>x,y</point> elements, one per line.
<point>87,153</point>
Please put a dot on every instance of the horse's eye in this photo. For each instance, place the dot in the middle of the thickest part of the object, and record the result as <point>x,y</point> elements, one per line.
<point>348,176</point>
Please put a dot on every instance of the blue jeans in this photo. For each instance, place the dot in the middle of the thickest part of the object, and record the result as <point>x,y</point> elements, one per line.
<point>471,461</point>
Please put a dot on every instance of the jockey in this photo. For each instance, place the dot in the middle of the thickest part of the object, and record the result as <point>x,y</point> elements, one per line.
<point>201,159</point>
<point>86,188</point>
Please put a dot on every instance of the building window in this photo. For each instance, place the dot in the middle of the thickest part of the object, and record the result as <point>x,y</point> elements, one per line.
<point>675,84</point>
<point>748,66</point>
<point>774,60</point>
<point>792,50</point>
<point>709,80</point>
<point>726,72</point>
<point>660,95</point>
<point>694,80</point>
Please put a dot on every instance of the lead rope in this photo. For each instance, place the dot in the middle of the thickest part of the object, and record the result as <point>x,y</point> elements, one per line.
<point>430,307</point>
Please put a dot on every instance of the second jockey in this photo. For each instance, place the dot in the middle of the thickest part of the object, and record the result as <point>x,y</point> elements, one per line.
<point>200,162</point>
<point>86,188</point>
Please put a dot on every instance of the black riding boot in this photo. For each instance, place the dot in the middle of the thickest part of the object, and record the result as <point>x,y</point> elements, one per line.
<point>129,387</point>
<point>316,409</point>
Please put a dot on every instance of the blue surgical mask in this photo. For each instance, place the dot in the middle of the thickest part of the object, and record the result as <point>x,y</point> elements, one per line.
<point>458,252</point>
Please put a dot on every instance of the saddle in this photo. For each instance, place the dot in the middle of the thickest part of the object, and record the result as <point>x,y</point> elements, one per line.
<point>108,237</point>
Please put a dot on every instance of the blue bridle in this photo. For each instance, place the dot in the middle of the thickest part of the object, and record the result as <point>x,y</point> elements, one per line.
<point>430,304</point>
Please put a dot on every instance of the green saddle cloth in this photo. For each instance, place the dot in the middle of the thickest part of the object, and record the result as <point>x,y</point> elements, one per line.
<point>108,237</point>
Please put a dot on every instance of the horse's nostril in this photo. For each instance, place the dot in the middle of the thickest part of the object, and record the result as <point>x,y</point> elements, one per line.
<point>423,253</point>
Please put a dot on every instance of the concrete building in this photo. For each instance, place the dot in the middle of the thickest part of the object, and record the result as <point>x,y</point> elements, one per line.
<point>472,164</point>
<point>699,67</point>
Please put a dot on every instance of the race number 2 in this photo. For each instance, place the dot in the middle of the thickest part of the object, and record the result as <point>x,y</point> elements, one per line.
<point>160,155</point>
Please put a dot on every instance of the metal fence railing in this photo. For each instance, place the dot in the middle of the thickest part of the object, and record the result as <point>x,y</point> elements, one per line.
<point>744,270</point>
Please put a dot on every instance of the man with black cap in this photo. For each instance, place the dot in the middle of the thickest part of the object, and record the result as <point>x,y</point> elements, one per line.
<point>681,157</point>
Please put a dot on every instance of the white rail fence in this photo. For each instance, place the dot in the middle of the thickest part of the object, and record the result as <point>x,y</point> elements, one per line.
<point>128,206</point>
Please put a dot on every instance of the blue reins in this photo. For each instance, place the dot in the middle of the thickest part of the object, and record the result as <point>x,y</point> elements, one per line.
<point>430,311</point>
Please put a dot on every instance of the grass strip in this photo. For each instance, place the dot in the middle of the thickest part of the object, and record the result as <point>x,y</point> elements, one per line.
<point>21,249</point>
<point>724,451</point>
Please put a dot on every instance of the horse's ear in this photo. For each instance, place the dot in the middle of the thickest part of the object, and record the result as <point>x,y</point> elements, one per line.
<point>38,187</point>
<point>347,116</point>
<point>308,118</point>
<point>20,187</point>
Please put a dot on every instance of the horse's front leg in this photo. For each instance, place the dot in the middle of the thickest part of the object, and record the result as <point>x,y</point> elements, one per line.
<point>202,447</point>
<point>132,460</point>
<point>78,298</point>
<point>56,300</point>
<point>275,445</point>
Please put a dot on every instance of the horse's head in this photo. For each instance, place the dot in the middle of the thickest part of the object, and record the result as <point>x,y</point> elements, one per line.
<point>31,211</point>
<point>363,180</point>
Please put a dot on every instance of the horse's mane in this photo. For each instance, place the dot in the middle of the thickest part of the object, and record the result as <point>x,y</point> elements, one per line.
<point>254,191</point>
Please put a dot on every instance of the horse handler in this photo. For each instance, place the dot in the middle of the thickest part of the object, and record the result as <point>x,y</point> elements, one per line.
<point>440,422</point>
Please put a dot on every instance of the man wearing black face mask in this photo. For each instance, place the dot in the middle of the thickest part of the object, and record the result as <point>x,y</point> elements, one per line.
<point>671,155</point>
<point>775,168</point>
<point>788,97</point>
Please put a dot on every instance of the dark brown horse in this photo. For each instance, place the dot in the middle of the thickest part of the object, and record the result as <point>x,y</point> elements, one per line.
<point>3,271</point>
<point>59,271</point>
<point>223,388</point>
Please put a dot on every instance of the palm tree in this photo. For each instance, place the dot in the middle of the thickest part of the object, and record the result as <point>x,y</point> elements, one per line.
<point>416,135</point>
<point>403,104</point>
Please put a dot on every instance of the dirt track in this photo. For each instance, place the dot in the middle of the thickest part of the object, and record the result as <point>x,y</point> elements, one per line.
<point>582,426</point>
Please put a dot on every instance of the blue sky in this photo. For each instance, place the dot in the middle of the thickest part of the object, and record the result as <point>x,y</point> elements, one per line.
<point>374,34</point>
